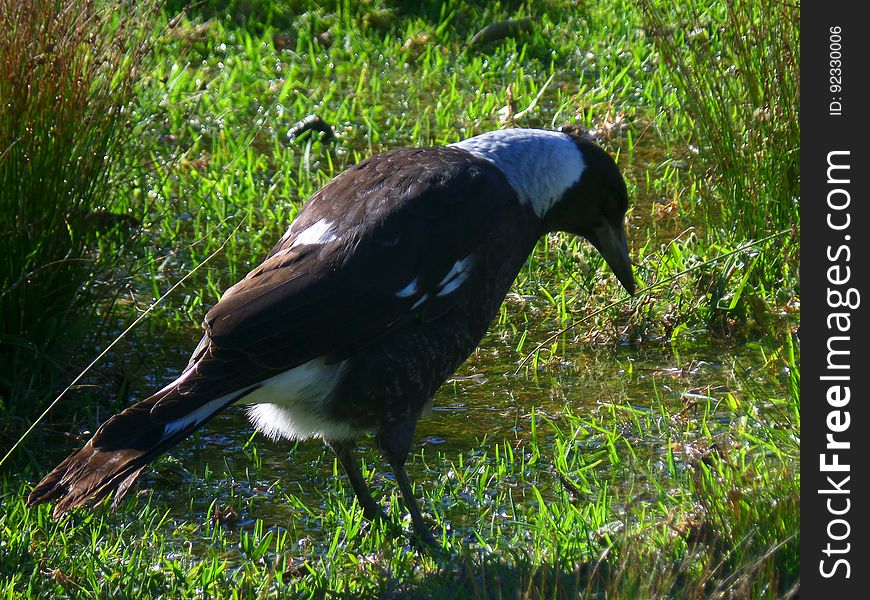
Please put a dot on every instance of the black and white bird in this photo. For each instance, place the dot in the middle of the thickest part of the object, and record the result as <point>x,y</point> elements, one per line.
<point>383,285</point>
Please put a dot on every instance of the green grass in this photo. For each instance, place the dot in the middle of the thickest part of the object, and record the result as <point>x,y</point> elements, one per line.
<point>67,72</point>
<point>606,474</point>
<point>635,501</point>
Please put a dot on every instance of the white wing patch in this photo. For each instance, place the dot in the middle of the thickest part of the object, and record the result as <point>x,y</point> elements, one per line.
<point>198,416</point>
<point>540,165</point>
<point>457,275</point>
<point>318,233</point>
<point>410,289</point>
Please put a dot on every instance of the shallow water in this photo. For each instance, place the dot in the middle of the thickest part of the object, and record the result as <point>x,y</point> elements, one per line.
<point>484,406</point>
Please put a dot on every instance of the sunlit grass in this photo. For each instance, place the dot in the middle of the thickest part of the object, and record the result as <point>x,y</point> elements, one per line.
<point>661,499</point>
<point>676,490</point>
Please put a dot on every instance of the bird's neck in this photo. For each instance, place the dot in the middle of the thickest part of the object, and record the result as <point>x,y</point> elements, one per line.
<point>540,165</point>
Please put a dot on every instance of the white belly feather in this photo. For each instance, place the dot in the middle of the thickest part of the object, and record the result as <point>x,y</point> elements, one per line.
<point>290,405</point>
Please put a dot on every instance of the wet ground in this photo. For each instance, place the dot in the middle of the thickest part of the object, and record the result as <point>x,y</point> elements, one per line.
<point>486,405</point>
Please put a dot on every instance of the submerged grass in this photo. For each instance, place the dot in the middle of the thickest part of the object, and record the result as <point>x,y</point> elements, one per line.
<point>635,483</point>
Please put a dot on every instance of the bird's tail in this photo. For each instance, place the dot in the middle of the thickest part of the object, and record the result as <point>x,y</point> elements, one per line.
<point>115,456</point>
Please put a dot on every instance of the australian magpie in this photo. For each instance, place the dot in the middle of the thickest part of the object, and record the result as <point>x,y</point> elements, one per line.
<point>383,285</point>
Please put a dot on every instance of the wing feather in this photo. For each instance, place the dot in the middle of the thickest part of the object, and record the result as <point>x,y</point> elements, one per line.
<point>399,216</point>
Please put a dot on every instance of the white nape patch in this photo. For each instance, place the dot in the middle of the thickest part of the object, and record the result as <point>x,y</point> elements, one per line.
<point>540,165</point>
<point>318,233</point>
<point>410,289</point>
<point>290,404</point>
<point>457,275</point>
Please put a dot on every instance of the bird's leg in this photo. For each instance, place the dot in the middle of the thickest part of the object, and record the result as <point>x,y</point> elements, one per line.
<point>395,443</point>
<point>371,510</point>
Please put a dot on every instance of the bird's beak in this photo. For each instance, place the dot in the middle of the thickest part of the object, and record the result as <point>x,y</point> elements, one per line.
<point>612,245</point>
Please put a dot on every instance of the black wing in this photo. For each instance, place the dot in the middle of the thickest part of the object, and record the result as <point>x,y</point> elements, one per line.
<point>391,230</point>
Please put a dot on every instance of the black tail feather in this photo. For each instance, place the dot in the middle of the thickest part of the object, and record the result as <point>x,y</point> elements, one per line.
<point>112,460</point>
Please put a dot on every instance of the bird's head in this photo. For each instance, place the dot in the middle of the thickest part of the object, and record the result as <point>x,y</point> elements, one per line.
<point>594,208</point>
<point>570,184</point>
